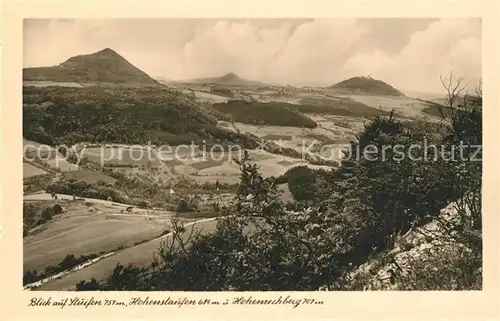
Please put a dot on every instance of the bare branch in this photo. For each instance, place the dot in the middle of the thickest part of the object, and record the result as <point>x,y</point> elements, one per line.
<point>479,89</point>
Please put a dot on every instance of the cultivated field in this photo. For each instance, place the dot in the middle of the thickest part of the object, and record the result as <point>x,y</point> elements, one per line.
<point>62,165</point>
<point>30,170</point>
<point>140,255</point>
<point>403,106</point>
<point>89,177</point>
<point>201,167</point>
<point>121,156</point>
<point>87,227</point>
<point>269,165</point>
<point>207,97</point>
<point>300,139</point>
<point>29,83</point>
<point>47,155</point>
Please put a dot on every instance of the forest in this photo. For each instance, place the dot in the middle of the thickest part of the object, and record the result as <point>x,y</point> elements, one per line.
<point>272,113</point>
<point>57,116</point>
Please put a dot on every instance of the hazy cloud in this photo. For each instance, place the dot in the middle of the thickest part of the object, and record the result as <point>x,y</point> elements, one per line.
<point>407,53</point>
<point>446,45</point>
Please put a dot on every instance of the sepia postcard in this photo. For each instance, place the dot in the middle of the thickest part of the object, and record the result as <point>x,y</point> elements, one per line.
<point>249,160</point>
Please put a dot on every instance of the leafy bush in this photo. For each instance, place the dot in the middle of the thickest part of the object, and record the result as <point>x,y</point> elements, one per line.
<point>302,184</point>
<point>47,213</point>
<point>91,285</point>
<point>36,183</point>
<point>184,206</point>
<point>57,209</point>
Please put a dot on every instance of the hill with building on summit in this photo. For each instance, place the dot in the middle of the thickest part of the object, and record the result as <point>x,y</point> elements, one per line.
<point>366,85</point>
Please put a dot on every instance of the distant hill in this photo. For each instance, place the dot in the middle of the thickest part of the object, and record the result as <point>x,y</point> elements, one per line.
<point>166,81</point>
<point>105,66</point>
<point>366,85</point>
<point>229,79</point>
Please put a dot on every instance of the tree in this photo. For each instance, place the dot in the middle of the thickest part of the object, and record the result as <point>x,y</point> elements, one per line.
<point>47,213</point>
<point>302,184</point>
<point>465,133</point>
<point>91,285</point>
<point>184,206</point>
<point>57,209</point>
<point>68,262</point>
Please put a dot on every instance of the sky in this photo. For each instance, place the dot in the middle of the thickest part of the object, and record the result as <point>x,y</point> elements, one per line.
<point>407,53</point>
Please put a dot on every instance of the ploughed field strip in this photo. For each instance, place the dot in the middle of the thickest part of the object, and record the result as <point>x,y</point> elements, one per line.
<point>30,170</point>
